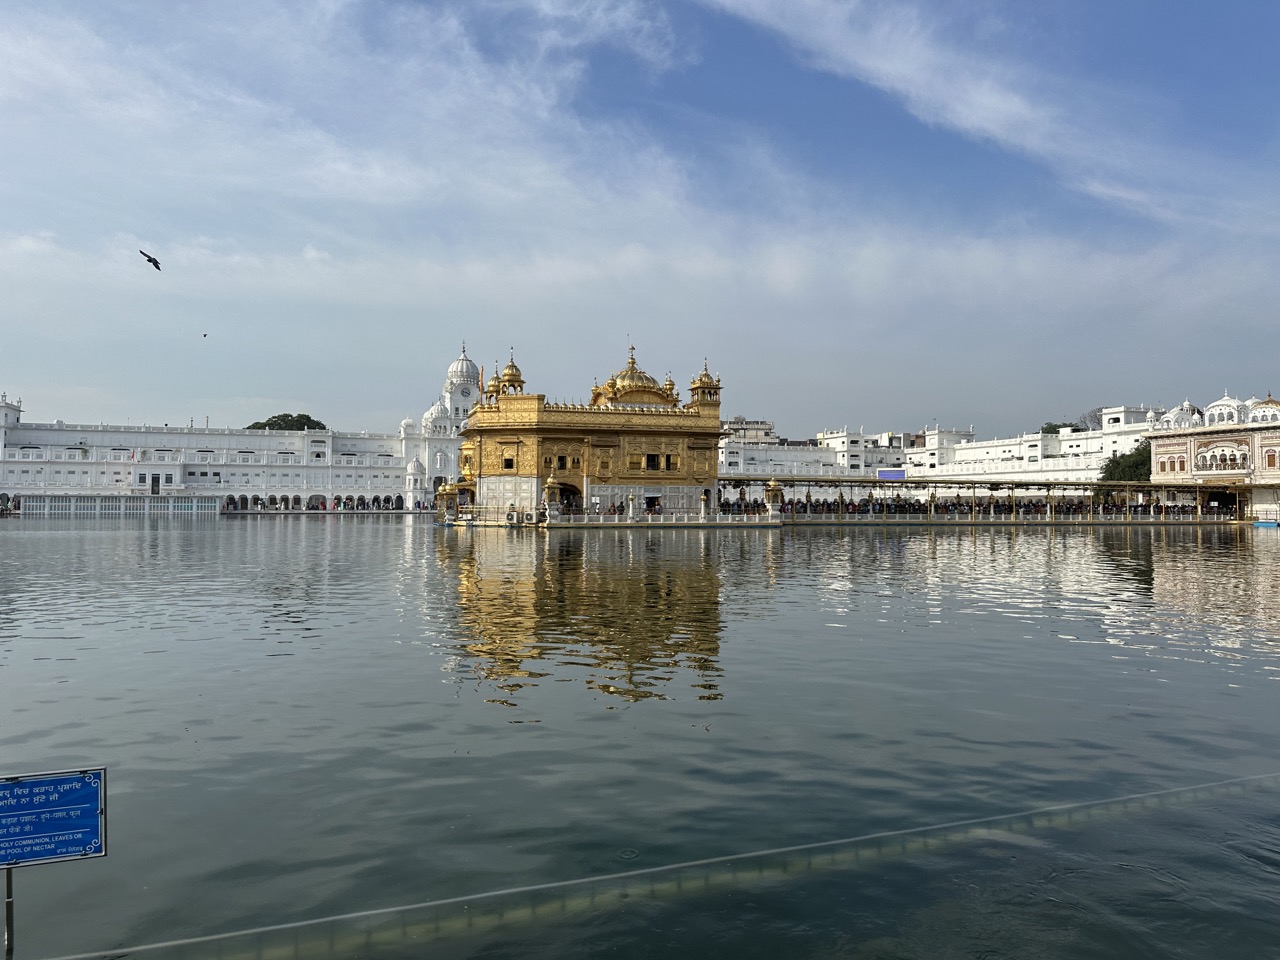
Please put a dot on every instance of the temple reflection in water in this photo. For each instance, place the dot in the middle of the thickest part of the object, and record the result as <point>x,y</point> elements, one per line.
<point>634,614</point>
<point>641,614</point>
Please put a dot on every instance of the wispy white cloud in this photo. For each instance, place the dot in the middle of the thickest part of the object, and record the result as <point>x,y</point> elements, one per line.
<point>638,27</point>
<point>395,106</point>
<point>341,192</point>
<point>956,71</point>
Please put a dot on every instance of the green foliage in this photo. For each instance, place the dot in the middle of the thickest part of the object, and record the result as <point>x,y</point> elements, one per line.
<point>288,421</point>
<point>1054,426</point>
<point>1134,466</point>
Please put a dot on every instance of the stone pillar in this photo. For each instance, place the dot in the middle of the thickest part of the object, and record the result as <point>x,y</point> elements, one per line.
<point>551,494</point>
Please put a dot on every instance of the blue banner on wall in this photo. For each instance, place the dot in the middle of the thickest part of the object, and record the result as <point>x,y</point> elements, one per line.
<point>46,817</point>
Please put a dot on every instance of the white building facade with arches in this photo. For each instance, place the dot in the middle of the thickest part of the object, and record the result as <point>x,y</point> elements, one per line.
<point>1231,444</point>
<point>77,469</point>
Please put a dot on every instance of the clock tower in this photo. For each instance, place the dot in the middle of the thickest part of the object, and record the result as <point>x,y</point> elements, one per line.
<point>461,386</point>
<point>436,444</point>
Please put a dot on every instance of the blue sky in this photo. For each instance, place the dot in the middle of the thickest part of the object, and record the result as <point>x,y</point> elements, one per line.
<point>859,213</point>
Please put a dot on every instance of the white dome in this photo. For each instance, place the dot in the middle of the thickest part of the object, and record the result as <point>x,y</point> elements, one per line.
<point>1225,410</point>
<point>407,425</point>
<point>464,370</point>
<point>1184,415</point>
<point>438,411</point>
<point>416,468</point>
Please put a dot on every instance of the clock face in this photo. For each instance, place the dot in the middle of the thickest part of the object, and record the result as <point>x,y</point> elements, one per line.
<point>465,391</point>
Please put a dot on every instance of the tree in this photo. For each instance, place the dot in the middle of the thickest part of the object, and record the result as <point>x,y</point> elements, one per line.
<point>1134,466</point>
<point>288,421</point>
<point>1053,426</point>
<point>1090,419</point>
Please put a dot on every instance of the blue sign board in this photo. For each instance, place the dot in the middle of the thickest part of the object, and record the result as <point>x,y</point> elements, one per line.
<point>45,817</point>
<point>890,473</point>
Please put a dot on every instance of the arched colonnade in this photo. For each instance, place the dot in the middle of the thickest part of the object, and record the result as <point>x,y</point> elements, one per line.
<point>316,502</point>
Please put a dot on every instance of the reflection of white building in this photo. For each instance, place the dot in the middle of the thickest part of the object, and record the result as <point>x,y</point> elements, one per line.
<point>65,469</point>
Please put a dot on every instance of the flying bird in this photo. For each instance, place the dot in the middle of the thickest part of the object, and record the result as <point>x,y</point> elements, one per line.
<point>150,259</point>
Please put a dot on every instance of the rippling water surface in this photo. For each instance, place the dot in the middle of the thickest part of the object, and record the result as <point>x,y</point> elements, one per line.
<point>303,717</point>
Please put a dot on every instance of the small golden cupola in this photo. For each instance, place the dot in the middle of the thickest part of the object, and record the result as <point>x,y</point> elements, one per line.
<point>1265,410</point>
<point>494,386</point>
<point>512,381</point>
<point>704,388</point>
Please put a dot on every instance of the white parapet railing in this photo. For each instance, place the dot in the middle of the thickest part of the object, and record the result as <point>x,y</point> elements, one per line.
<point>114,506</point>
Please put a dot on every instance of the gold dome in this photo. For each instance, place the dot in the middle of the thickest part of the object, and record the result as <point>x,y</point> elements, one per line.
<point>704,379</point>
<point>512,381</point>
<point>631,385</point>
<point>633,378</point>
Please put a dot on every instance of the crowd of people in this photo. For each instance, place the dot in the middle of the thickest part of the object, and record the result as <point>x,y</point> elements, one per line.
<point>970,507</point>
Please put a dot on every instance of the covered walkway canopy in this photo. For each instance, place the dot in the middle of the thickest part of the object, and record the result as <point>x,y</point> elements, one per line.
<point>861,495</point>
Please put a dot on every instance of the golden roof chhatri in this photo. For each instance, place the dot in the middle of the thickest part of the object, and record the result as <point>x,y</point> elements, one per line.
<point>511,376</point>
<point>631,385</point>
<point>704,379</point>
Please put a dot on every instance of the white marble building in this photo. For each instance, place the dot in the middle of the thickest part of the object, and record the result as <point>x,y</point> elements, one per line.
<point>63,468</point>
<point>1232,448</point>
<point>939,453</point>
<point>752,448</point>
<point>434,442</point>
<point>1067,455</point>
<point>865,454</point>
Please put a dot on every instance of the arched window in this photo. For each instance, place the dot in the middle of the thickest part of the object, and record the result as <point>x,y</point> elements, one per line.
<point>1162,467</point>
<point>1271,459</point>
<point>1182,464</point>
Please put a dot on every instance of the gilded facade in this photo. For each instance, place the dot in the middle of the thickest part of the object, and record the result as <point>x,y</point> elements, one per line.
<point>634,447</point>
